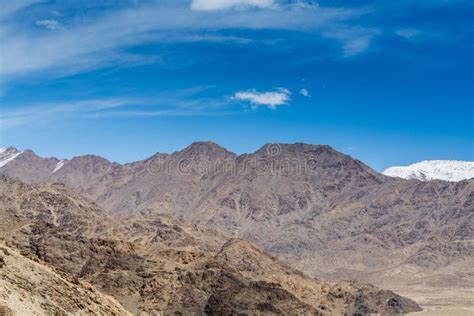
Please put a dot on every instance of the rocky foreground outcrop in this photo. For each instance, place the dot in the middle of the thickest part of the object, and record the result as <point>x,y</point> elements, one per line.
<point>28,287</point>
<point>156,263</point>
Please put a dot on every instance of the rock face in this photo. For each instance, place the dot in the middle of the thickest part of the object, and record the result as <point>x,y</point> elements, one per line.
<point>159,264</point>
<point>28,287</point>
<point>319,210</point>
<point>448,170</point>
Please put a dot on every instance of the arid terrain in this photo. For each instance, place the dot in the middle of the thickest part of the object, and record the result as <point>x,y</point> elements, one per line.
<point>445,310</point>
<point>155,263</point>
<point>317,209</point>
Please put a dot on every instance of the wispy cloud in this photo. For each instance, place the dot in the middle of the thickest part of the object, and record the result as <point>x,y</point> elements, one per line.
<point>107,37</point>
<point>21,115</point>
<point>49,24</point>
<point>99,40</point>
<point>9,8</point>
<point>183,102</point>
<point>407,33</point>
<point>210,5</point>
<point>270,99</point>
<point>355,40</point>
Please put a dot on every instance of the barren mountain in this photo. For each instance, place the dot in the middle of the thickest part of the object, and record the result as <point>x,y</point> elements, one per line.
<point>156,263</point>
<point>324,212</point>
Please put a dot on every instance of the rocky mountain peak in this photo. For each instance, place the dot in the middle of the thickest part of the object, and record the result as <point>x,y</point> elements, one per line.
<point>8,154</point>
<point>91,158</point>
<point>295,150</point>
<point>206,149</point>
<point>10,149</point>
<point>316,159</point>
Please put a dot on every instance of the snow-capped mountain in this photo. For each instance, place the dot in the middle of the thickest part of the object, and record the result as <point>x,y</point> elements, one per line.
<point>448,170</point>
<point>8,154</point>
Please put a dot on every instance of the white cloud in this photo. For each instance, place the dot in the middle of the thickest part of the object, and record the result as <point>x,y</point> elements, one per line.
<point>49,24</point>
<point>211,5</point>
<point>304,92</point>
<point>270,99</point>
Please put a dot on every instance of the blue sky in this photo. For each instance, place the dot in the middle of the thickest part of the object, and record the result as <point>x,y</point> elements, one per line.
<point>387,82</point>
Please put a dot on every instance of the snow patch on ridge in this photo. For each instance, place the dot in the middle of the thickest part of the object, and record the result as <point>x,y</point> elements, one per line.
<point>59,165</point>
<point>8,154</point>
<point>448,170</point>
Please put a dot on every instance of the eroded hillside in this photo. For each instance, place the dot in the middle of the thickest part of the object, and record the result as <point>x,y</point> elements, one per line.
<point>161,264</point>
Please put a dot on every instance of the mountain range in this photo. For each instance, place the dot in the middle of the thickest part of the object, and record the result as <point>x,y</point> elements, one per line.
<point>318,210</point>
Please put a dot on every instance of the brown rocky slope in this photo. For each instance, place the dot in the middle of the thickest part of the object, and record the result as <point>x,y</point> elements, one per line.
<point>28,287</point>
<point>172,266</point>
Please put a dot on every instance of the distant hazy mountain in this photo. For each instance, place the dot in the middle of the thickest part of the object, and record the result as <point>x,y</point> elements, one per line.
<point>448,170</point>
<point>323,212</point>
